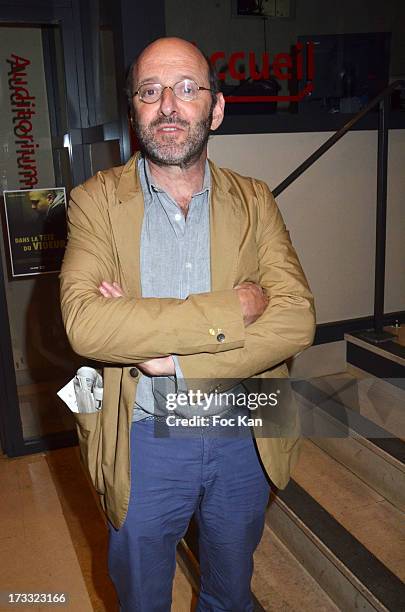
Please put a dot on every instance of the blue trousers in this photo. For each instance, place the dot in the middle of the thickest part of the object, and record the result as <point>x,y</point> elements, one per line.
<point>216,477</point>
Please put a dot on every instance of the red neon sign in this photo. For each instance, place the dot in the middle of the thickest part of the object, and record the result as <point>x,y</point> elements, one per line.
<point>285,66</point>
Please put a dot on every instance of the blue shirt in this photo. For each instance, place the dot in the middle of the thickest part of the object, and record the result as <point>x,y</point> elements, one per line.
<point>174,263</point>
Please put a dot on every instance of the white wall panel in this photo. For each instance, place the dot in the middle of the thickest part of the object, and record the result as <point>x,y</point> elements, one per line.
<point>330,211</point>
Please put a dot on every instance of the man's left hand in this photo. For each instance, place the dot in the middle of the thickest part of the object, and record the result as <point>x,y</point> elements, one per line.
<point>160,366</point>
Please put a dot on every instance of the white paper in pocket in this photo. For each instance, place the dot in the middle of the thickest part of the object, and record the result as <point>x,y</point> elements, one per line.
<point>67,394</point>
<point>84,393</point>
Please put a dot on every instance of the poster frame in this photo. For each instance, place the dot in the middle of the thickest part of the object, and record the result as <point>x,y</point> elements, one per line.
<point>10,235</point>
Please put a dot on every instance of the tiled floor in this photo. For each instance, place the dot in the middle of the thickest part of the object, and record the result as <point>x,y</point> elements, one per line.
<point>53,537</point>
<point>37,553</point>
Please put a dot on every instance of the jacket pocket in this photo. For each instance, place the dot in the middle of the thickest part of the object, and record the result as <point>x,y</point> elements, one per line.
<point>90,441</point>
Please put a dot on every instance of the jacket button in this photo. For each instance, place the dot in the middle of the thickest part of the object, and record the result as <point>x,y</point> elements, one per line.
<point>221,337</point>
<point>133,372</point>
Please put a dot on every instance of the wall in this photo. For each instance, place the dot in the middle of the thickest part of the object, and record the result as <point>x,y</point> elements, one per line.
<point>210,24</point>
<point>142,22</point>
<point>330,211</point>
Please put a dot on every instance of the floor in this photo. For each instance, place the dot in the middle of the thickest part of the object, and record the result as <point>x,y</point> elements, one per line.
<point>53,538</point>
<point>46,545</point>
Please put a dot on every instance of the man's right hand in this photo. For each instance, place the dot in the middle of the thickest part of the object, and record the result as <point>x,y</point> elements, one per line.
<point>253,301</point>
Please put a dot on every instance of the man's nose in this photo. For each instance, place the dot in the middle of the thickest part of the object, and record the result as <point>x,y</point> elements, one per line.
<point>168,104</point>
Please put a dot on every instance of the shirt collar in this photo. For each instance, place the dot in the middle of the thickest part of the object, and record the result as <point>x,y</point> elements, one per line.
<point>153,188</point>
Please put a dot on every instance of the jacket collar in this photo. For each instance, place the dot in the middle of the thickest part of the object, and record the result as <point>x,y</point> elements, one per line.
<point>127,217</point>
<point>129,184</point>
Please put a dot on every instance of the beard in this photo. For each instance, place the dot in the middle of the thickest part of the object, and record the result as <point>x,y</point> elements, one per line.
<point>167,151</point>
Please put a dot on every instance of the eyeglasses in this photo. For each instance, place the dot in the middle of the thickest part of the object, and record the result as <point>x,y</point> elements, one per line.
<point>186,90</point>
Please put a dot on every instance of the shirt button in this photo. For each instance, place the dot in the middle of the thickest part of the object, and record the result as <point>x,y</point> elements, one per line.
<point>133,372</point>
<point>188,265</point>
<point>177,216</point>
<point>221,337</point>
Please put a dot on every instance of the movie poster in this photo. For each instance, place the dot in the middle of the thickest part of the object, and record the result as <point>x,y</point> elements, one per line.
<point>36,226</point>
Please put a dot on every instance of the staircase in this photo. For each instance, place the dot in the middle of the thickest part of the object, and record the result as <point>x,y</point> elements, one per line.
<point>342,514</point>
<point>335,537</point>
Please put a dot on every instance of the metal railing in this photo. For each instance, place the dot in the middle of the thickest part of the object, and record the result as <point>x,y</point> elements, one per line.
<point>383,101</point>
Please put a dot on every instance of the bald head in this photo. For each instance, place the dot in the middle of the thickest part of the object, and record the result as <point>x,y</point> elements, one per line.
<point>171,52</point>
<point>172,129</point>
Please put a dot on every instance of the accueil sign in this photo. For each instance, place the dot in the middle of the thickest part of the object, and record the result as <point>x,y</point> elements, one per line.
<point>282,67</point>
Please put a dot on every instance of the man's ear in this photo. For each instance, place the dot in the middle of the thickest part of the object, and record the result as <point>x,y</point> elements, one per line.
<point>218,112</point>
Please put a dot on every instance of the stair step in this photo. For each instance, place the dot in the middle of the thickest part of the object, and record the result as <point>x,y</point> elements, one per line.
<point>351,575</point>
<point>385,360</point>
<point>332,410</point>
<point>187,560</point>
<point>281,583</point>
<point>183,596</point>
<point>371,519</point>
<point>374,398</point>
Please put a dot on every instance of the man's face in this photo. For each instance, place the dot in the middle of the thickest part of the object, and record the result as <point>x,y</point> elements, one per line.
<point>39,201</point>
<point>171,131</point>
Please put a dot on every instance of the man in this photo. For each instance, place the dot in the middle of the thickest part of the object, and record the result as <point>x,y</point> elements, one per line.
<point>185,270</point>
<point>49,205</point>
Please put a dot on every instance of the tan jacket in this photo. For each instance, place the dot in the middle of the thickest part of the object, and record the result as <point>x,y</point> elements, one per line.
<point>248,242</point>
